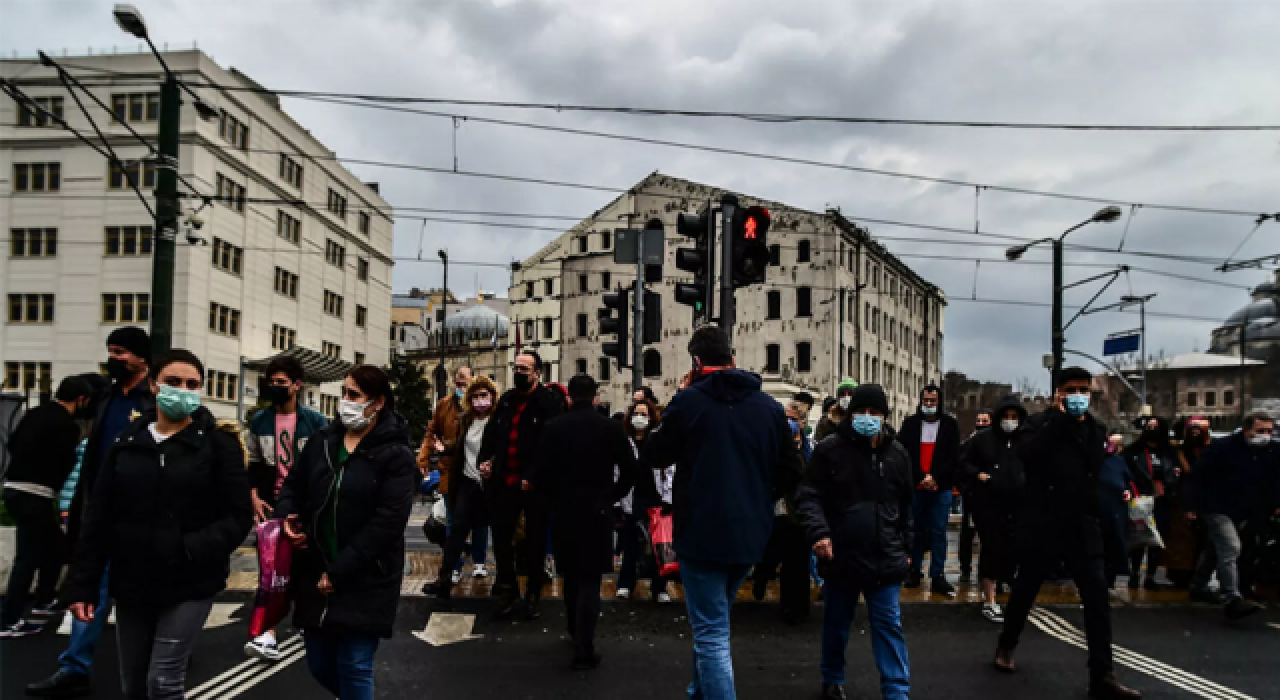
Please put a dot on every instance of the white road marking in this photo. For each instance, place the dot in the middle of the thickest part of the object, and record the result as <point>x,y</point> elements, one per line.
<point>275,668</point>
<point>242,672</point>
<point>1060,629</point>
<point>64,627</point>
<point>220,615</point>
<point>448,628</point>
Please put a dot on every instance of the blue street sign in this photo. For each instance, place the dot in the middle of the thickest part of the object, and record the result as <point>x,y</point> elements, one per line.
<point>1122,344</point>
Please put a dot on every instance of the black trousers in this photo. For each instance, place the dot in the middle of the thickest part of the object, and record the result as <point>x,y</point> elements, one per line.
<point>1088,573</point>
<point>967,531</point>
<point>582,609</point>
<point>40,548</point>
<point>787,549</point>
<point>508,504</point>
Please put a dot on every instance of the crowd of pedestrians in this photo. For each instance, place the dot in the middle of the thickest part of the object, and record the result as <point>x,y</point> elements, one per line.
<point>722,485</point>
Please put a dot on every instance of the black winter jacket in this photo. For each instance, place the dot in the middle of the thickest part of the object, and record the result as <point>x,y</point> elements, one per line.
<point>166,517</point>
<point>1062,458</point>
<point>860,497</point>
<point>468,504</point>
<point>1149,466</point>
<point>734,457</point>
<point>375,494</point>
<point>1236,480</point>
<point>42,449</point>
<point>993,452</point>
<point>544,404</point>
<point>946,451</point>
<point>97,446</point>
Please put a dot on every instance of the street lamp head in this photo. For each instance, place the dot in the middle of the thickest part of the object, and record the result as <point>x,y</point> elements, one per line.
<point>443,255</point>
<point>130,20</point>
<point>1015,252</point>
<point>1108,214</point>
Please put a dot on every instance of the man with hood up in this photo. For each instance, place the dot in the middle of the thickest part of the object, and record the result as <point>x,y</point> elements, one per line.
<point>932,439</point>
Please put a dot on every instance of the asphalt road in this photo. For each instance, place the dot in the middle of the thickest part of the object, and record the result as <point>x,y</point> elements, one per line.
<point>1169,652</point>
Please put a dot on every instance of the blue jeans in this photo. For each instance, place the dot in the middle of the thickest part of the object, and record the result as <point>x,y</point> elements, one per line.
<point>78,658</point>
<point>888,644</point>
<point>931,510</point>
<point>709,592</point>
<point>342,662</point>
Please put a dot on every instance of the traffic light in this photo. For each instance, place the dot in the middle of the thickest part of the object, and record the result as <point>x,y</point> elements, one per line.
<point>609,325</point>
<point>652,317</point>
<point>748,246</point>
<point>697,260</point>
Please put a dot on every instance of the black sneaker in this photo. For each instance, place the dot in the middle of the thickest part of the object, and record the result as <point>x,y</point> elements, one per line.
<point>1204,595</point>
<point>21,628</point>
<point>1239,608</point>
<point>939,586</point>
<point>913,581</point>
<point>63,684</point>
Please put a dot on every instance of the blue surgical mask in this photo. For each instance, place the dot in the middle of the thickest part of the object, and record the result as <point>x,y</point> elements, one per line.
<point>176,403</point>
<point>866,425</point>
<point>458,393</point>
<point>795,427</point>
<point>1076,404</point>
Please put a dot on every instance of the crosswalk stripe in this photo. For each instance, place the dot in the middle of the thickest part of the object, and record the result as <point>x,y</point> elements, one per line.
<point>210,687</point>
<point>1057,627</point>
<point>275,668</point>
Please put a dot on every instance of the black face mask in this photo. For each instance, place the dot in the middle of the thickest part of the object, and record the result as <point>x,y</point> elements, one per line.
<point>524,382</point>
<point>118,369</point>
<point>84,412</point>
<point>277,395</point>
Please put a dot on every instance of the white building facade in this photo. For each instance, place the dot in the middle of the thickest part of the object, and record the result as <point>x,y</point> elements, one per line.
<point>835,303</point>
<point>295,252</point>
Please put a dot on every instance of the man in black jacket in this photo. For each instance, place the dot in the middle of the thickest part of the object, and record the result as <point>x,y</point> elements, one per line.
<point>575,475</point>
<point>855,506</point>
<point>932,439</point>
<point>128,397</point>
<point>509,462</point>
<point>43,453</point>
<point>1062,451</point>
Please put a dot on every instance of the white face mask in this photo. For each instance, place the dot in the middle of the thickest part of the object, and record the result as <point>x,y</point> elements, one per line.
<point>929,410</point>
<point>639,422</point>
<point>352,414</point>
<point>1009,425</point>
<point>1260,440</point>
<point>844,402</point>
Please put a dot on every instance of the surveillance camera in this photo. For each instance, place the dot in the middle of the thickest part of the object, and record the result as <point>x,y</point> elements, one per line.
<point>196,221</point>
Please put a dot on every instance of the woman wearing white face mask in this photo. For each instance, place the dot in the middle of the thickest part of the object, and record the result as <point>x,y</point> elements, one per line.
<point>467,501</point>
<point>345,504</point>
<point>655,492</point>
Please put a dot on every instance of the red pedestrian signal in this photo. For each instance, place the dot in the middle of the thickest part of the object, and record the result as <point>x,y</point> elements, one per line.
<point>750,227</point>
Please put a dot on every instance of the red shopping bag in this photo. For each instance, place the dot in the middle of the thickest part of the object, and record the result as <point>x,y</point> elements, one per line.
<point>275,557</point>
<point>664,552</point>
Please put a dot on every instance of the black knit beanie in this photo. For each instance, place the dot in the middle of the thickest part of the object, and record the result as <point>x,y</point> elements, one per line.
<point>133,339</point>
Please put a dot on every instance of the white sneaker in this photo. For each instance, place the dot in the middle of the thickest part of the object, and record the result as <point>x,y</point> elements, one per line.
<point>456,577</point>
<point>623,594</point>
<point>263,647</point>
<point>992,612</point>
<point>663,597</point>
<point>478,571</point>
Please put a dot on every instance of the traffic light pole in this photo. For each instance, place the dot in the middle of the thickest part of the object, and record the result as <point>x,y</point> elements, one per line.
<point>728,310</point>
<point>637,320</point>
<point>166,228</point>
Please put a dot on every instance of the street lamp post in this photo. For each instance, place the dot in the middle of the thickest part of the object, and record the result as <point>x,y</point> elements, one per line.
<point>442,374</point>
<point>1104,215</point>
<point>1142,334</point>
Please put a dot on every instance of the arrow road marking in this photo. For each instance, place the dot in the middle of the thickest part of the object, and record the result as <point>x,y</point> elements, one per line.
<point>220,615</point>
<point>448,628</point>
<point>1058,628</point>
<point>247,673</point>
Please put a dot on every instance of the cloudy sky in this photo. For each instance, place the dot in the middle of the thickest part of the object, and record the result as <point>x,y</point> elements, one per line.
<point>1026,60</point>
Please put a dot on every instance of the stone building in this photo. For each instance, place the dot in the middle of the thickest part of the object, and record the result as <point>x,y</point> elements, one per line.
<point>1258,322</point>
<point>294,254</point>
<point>1219,387</point>
<point>835,302</point>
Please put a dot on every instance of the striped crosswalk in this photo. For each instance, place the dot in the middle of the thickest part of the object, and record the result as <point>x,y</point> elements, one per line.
<point>244,676</point>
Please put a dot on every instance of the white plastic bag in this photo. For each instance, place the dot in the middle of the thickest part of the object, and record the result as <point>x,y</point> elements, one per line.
<point>1141,531</point>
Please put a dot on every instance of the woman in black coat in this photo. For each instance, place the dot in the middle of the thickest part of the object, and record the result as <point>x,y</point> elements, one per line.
<point>1154,468</point>
<point>168,508</point>
<point>345,505</point>
<point>994,477</point>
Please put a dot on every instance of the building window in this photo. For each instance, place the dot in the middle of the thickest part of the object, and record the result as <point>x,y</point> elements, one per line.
<point>221,385</point>
<point>33,242</point>
<point>31,308</point>
<point>332,304</point>
<point>337,205</point>
<point>288,227</point>
<point>328,405</point>
<point>362,222</point>
<point>583,285</point>
<point>131,173</point>
<point>37,177</point>
<point>28,376</point>
<point>546,328</point>
<point>528,331</point>
<point>229,192</point>
<point>127,240</point>
<point>283,338</point>
<point>286,283</point>
<point>37,112</point>
<point>227,257</point>
<point>875,277</point>
<point>548,287</point>
<point>233,131</point>
<point>774,299</point>
<point>604,369</point>
<point>606,240</point>
<point>136,107</point>
<point>290,171</point>
<point>581,364</point>
<point>359,358</point>
<point>802,252</point>
<point>126,308</point>
<point>582,329</point>
<point>851,363</point>
<point>528,290</point>
<point>224,320</point>
<point>582,244</point>
<point>1191,399</point>
<point>331,350</point>
<point>1228,397</point>
<point>1210,399</point>
<point>652,363</point>
<point>362,269</point>
<point>775,255</point>
<point>606,281</point>
<point>803,299</point>
<point>334,254</point>
<point>362,316</point>
<point>772,359</point>
<point>803,357</point>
